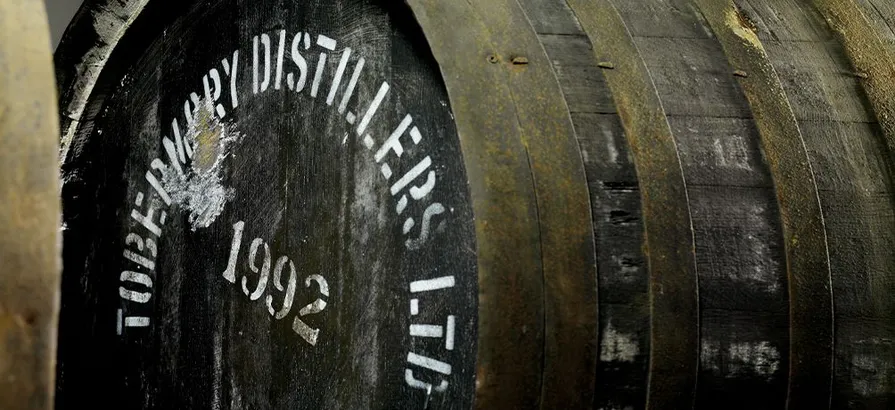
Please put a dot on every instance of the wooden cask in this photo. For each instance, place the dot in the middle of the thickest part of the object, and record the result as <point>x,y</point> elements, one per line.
<point>30,212</point>
<point>516,204</point>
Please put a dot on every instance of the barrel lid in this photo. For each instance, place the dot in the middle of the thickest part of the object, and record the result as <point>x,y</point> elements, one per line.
<point>265,206</point>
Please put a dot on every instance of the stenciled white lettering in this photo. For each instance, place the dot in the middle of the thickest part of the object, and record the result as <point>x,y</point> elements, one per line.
<point>409,174</point>
<point>301,328</point>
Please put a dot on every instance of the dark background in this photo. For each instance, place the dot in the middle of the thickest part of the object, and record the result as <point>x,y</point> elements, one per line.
<point>59,13</point>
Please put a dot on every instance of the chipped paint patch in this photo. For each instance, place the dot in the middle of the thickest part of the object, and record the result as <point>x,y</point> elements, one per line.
<point>609,140</point>
<point>761,358</point>
<point>200,189</point>
<point>869,375</point>
<point>741,358</point>
<point>617,346</point>
<point>734,20</point>
<point>872,372</point>
<point>731,153</point>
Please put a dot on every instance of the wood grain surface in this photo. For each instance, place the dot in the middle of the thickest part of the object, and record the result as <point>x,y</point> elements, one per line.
<point>30,214</point>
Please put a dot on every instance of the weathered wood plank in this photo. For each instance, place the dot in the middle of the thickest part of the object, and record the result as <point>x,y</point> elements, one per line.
<point>585,89</point>
<point>819,82</point>
<point>783,20</point>
<point>864,364</point>
<point>581,80</point>
<point>739,249</point>
<point>661,18</point>
<point>604,149</point>
<point>869,54</point>
<point>882,15</point>
<point>568,50</point>
<point>693,78</point>
<point>666,214</point>
<point>744,360</point>
<point>847,156</point>
<point>621,375</point>
<point>551,17</point>
<point>860,250</point>
<point>720,151</point>
<point>851,163</point>
<point>624,356</point>
<point>804,232</point>
<point>563,211</point>
<point>622,266</point>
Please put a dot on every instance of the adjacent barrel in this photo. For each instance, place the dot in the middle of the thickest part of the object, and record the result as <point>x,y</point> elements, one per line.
<point>514,204</point>
<point>30,211</point>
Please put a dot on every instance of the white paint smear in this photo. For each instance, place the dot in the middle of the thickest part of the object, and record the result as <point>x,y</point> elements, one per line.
<point>872,371</point>
<point>609,139</point>
<point>759,358</point>
<point>617,346</point>
<point>731,152</point>
<point>200,190</point>
<point>869,375</point>
<point>764,273</point>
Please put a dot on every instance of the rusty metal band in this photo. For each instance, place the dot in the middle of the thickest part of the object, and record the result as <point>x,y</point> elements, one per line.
<point>872,58</point>
<point>509,111</point>
<point>674,310</point>
<point>805,238</point>
<point>30,217</point>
